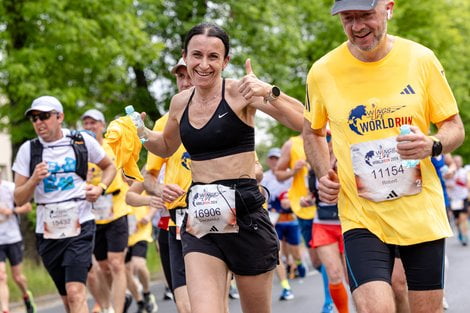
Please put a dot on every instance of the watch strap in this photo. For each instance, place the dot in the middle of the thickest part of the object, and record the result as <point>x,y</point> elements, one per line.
<point>104,187</point>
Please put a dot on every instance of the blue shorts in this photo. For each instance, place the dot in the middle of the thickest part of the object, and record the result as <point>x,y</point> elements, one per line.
<point>289,232</point>
<point>306,230</point>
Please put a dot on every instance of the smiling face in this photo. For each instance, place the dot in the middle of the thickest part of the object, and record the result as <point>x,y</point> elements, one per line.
<point>205,60</point>
<point>97,127</point>
<point>366,30</point>
<point>49,129</point>
<point>183,81</point>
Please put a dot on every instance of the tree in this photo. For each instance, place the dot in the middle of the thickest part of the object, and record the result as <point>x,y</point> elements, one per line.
<point>86,53</point>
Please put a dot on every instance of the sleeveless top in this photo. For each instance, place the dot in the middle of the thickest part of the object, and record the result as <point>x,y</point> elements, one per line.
<point>224,134</point>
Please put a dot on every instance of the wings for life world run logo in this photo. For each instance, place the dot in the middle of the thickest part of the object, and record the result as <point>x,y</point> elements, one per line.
<point>363,120</point>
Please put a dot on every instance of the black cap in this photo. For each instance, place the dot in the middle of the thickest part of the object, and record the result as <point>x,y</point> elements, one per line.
<point>353,5</point>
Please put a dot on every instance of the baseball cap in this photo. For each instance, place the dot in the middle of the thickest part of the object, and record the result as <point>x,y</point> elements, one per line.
<point>274,152</point>
<point>175,68</point>
<point>94,114</point>
<point>353,5</point>
<point>45,104</point>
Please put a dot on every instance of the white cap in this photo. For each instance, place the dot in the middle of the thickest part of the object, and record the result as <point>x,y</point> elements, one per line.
<point>274,152</point>
<point>45,104</point>
<point>177,66</point>
<point>94,114</point>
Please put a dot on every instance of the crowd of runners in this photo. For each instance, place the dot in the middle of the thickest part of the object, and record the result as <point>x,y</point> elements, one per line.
<point>343,192</point>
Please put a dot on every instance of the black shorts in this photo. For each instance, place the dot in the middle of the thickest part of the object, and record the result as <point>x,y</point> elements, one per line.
<point>12,251</point>
<point>370,259</point>
<point>111,237</point>
<point>178,273</point>
<point>68,259</point>
<point>254,249</point>
<point>139,249</point>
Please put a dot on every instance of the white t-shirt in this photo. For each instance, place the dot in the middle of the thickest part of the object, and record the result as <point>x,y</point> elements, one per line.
<point>9,228</point>
<point>63,184</point>
<point>274,186</point>
<point>457,185</point>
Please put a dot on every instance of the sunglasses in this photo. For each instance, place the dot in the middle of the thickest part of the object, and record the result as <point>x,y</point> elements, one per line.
<point>43,116</point>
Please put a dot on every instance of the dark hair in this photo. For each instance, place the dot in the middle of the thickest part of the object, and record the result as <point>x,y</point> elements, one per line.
<point>210,30</point>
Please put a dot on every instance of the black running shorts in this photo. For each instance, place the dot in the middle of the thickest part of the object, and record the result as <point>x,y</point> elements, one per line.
<point>369,259</point>
<point>13,252</point>
<point>111,237</point>
<point>68,259</point>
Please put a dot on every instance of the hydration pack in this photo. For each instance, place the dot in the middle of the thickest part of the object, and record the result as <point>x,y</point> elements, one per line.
<point>79,148</point>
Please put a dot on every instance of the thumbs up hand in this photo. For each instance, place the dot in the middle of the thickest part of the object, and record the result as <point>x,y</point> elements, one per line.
<point>250,86</point>
<point>328,187</point>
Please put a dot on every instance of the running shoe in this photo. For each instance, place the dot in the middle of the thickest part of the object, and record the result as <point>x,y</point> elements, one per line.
<point>29,303</point>
<point>140,307</point>
<point>464,240</point>
<point>127,302</point>
<point>301,270</point>
<point>286,294</point>
<point>327,308</point>
<point>445,305</point>
<point>233,293</point>
<point>168,295</point>
<point>150,303</point>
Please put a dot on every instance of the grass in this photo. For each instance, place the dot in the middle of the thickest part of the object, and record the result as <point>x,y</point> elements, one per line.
<point>40,283</point>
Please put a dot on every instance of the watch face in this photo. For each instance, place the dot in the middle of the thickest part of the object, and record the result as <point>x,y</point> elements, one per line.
<point>436,148</point>
<point>276,91</point>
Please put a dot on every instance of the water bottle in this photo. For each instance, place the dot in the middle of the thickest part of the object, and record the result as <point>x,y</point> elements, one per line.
<point>405,130</point>
<point>138,122</point>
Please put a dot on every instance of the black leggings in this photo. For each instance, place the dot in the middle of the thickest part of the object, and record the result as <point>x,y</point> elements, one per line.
<point>162,239</point>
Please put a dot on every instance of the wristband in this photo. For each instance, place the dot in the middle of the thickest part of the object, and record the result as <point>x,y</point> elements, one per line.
<point>104,187</point>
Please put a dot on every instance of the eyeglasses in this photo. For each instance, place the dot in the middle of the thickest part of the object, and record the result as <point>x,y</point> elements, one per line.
<point>43,116</point>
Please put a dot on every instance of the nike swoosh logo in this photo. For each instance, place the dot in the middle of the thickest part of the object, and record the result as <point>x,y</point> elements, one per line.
<point>222,115</point>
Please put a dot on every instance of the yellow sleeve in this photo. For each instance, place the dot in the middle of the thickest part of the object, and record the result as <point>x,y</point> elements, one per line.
<point>441,101</point>
<point>315,110</point>
<point>154,162</point>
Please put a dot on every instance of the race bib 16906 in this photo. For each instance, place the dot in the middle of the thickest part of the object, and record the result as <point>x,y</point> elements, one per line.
<point>211,209</point>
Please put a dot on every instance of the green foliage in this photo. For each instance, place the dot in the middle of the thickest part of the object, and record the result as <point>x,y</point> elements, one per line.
<point>108,54</point>
<point>83,52</point>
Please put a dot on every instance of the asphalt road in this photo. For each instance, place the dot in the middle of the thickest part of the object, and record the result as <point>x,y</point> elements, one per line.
<point>308,291</point>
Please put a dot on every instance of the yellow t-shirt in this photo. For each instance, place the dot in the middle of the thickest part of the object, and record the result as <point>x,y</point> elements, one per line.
<point>178,167</point>
<point>299,188</point>
<point>142,232</point>
<point>366,102</point>
<point>120,208</point>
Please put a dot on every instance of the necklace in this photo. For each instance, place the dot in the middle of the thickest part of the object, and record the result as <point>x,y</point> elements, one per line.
<point>200,99</point>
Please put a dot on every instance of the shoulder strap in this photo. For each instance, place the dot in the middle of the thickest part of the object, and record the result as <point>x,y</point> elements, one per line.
<point>36,149</point>
<point>312,185</point>
<point>223,89</point>
<point>81,153</point>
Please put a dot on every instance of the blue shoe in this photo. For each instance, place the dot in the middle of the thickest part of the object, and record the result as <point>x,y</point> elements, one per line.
<point>286,294</point>
<point>301,270</point>
<point>327,308</point>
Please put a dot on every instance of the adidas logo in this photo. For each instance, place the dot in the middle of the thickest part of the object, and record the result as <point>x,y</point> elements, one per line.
<point>392,195</point>
<point>408,90</point>
<point>213,228</point>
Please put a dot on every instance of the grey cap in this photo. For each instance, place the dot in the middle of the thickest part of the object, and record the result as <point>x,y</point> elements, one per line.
<point>353,5</point>
<point>94,114</point>
<point>45,104</point>
<point>177,66</point>
<point>274,152</point>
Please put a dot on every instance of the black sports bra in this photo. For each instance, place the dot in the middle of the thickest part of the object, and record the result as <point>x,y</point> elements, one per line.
<point>224,134</point>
